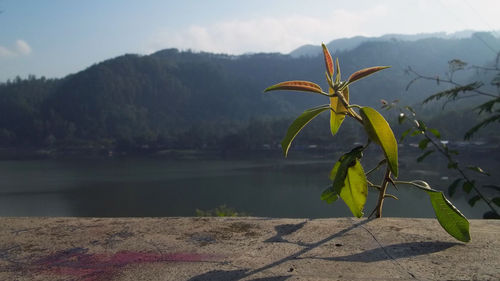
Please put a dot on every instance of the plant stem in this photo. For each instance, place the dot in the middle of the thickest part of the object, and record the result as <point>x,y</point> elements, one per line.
<point>378,166</point>
<point>447,81</point>
<point>350,111</point>
<point>381,195</point>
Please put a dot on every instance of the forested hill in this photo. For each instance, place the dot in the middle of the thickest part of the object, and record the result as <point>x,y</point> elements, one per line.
<point>173,99</point>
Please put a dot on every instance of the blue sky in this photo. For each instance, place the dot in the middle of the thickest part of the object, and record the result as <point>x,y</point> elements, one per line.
<point>56,37</point>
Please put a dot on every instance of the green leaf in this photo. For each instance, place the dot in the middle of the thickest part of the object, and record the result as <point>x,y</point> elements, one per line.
<point>329,196</point>
<point>404,134</point>
<point>435,132</point>
<point>364,72</point>
<point>452,94</point>
<point>380,132</point>
<point>423,144</point>
<point>296,85</point>
<point>473,200</point>
<point>478,169</point>
<point>349,182</point>
<point>423,156</point>
<point>409,108</point>
<point>452,165</point>
<point>450,218</point>
<point>339,171</point>
<point>421,125</point>
<point>298,124</point>
<point>467,186</point>
<point>339,111</point>
<point>453,187</point>
<point>496,200</point>
<point>355,190</point>
<point>415,133</point>
<point>328,61</point>
<point>489,105</point>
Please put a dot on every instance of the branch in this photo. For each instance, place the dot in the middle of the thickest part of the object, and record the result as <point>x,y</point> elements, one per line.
<point>473,87</point>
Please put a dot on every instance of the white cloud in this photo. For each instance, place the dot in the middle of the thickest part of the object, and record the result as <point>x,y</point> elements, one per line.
<point>4,52</point>
<point>20,48</point>
<point>282,32</point>
<point>277,34</point>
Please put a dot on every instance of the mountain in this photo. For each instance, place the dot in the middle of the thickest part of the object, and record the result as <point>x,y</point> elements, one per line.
<point>173,99</point>
<point>346,44</point>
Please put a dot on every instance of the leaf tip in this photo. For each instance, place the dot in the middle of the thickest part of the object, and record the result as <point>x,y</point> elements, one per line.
<point>365,72</point>
<point>284,148</point>
<point>328,60</point>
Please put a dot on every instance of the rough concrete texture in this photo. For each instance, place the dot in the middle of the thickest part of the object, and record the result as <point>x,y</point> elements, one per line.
<point>92,249</point>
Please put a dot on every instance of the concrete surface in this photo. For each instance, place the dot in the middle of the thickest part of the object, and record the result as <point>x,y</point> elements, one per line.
<point>94,249</point>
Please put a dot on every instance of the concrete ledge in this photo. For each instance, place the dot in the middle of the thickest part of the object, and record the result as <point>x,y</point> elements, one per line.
<point>92,249</point>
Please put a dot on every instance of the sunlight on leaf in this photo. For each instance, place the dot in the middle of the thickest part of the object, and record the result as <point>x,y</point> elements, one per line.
<point>450,218</point>
<point>339,171</point>
<point>364,72</point>
<point>349,182</point>
<point>401,118</point>
<point>328,61</point>
<point>305,86</point>
<point>338,114</point>
<point>380,132</point>
<point>298,124</point>
<point>478,170</point>
<point>355,190</point>
<point>337,76</point>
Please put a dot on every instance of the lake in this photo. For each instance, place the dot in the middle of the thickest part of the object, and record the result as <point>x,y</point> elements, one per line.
<point>136,187</point>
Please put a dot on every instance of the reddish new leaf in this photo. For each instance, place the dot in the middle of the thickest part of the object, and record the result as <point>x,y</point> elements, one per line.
<point>296,86</point>
<point>365,72</point>
<point>328,60</point>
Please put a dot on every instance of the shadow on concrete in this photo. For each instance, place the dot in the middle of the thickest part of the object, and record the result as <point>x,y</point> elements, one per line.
<point>229,275</point>
<point>396,251</point>
<point>285,229</point>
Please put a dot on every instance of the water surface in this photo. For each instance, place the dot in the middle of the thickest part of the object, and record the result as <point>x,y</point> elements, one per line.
<point>133,187</point>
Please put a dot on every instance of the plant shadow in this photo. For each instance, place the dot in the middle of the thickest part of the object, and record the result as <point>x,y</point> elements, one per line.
<point>229,275</point>
<point>281,230</point>
<point>395,251</point>
<point>284,229</point>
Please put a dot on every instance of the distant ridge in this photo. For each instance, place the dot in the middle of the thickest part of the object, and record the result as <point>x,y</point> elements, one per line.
<point>346,44</point>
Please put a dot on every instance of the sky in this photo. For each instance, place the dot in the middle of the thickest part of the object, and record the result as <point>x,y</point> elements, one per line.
<point>53,38</point>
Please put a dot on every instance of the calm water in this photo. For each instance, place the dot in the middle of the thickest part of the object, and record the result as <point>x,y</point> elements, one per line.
<point>156,187</point>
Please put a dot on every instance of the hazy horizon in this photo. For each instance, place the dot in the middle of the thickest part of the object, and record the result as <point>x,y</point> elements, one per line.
<point>57,38</point>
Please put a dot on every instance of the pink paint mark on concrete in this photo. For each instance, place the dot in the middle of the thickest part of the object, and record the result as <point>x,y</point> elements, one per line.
<point>80,264</point>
